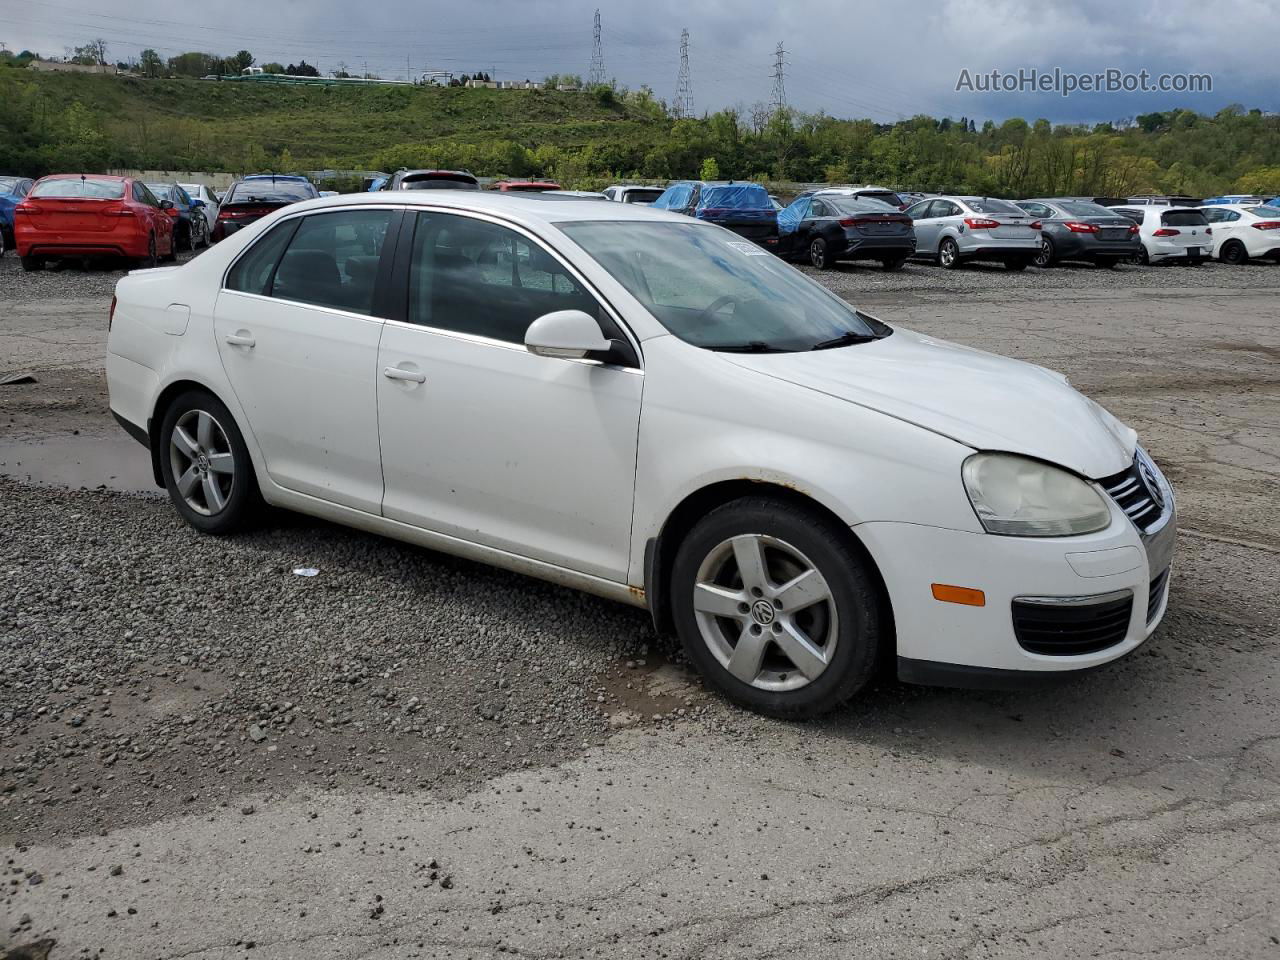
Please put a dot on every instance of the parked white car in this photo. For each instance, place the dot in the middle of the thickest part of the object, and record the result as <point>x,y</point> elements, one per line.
<point>633,193</point>
<point>1171,233</point>
<point>1243,231</point>
<point>198,191</point>
<point>643,406</point>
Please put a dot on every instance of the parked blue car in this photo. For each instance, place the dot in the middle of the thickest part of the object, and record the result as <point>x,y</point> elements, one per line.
<point>190,226</point>
<point>744,208</point>
<point>1237,198</point>
<point>13,190</point>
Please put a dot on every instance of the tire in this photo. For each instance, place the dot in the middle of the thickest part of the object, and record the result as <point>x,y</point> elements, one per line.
<point>1234,253</point>
<point>150,260</point>
<point>1046,256</point>
<point>819,257</point>
<point>1017,263</point>
<point>891,265</point>
<point>206,467</point>
<point>3,246</point>
<point>31,264</point>
<point>949,254</point>
<point>184,238</point>
<point>791,539</point>
<point>172,255</point>
<point>1142,258</point>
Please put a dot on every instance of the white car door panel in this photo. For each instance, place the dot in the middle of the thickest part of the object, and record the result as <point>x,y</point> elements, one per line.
<point>485,441</point>
<point>306,373</point>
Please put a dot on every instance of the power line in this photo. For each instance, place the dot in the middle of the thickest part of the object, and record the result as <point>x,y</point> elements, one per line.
<point>779,98</point>
<point>684,89</point>
<point>595,76</point>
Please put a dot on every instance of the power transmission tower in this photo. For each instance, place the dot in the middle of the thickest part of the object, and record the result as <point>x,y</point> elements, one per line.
<point>684,89</point>
<point>779,98</point>
<point>595,76</point>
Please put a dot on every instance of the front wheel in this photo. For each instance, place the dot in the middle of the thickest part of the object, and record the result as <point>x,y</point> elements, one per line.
<point>818,254</point>
<point>1045,256</point>
<point>776,608</point>
<point>150,260</point>
<point>949,254</point>
<point>205,465</point>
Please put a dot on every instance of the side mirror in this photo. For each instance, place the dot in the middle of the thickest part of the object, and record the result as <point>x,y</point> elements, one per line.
<point>568,334</point>
<point>198,204</point>
<point>166,204</point>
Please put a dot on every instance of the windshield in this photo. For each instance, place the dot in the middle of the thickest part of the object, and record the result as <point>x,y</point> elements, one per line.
<point>1082,208</point>
<point>714,290</point>
<point>89,187</point>
<point>8,184</point>
<point>162,190</point>
<point>641,196</point>
<point>1264,211</point>
<point>1000,208</point>
<point>268,191</point>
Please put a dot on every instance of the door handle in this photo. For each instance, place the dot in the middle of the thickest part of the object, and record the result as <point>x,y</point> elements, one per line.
<point>236,340</point>
<point>395,373</point>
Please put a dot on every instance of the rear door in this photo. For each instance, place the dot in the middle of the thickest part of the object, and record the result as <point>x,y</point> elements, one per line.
<point>297,324</point>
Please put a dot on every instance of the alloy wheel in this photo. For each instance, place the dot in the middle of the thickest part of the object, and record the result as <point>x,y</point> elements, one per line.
<point>765,612</point>
<point>818,253</point>
<point>948,252</point>
<point>202,462</point>
<point>1044,256</point>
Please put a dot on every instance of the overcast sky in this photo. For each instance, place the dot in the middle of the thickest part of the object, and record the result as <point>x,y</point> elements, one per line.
<point>851,59</point>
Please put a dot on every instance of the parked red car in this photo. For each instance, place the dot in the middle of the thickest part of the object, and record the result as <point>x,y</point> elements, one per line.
<point>526,186</point>
<point>88,215</point>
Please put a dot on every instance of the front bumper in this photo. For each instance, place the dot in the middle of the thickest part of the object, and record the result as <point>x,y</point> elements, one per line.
<point>978,646</point>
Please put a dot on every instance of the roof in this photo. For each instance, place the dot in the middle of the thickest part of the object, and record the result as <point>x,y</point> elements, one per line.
<point>528,208</point>
<point>87,176</point>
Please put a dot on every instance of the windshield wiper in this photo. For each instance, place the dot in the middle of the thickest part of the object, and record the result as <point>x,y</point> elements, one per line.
<point>848,338</point>
<point>751,346</point>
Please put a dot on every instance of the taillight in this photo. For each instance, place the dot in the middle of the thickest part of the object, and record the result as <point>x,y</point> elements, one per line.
<point>1036,225</point>
<point>1076,226</point>
<point>1260,225</point>
<point>1133,228</point>
<point>1166,232</point>
<point>981,223</point>
<point>111,314</point>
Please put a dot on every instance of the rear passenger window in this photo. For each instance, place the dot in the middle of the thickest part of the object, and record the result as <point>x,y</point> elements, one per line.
<point>253,271</point>
<point>472,276</point>
<point>332,260</point>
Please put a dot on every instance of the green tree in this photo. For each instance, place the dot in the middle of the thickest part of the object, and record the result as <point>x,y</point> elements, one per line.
<point>150,63</point>
<point>710,170</point>
<point>241,60</point>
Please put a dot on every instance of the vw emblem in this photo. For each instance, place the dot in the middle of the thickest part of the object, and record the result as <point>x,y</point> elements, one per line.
<point>1151,483</point>
<point>762,612</point>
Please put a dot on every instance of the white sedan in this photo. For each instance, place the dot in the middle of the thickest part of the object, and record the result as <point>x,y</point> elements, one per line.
<point>1244,231</point>
<point>644,406</point>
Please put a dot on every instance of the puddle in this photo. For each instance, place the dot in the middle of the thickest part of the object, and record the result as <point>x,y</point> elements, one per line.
<point>117,463</point>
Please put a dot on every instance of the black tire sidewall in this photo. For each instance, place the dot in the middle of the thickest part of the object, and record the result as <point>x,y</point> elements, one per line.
<point>1046,251</point>
<point>1234,254</point>
<point>857,602</point>
<point>955,260</point>
<point>243,506</point>
<point>816,245</point>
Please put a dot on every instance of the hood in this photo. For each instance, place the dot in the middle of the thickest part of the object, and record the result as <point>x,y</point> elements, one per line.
<point>982,400</point>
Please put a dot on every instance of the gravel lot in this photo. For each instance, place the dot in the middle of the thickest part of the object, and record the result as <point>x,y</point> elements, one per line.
<point>203,754</point>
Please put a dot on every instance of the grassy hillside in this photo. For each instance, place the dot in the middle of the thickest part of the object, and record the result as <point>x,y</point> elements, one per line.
<point>49,119</point>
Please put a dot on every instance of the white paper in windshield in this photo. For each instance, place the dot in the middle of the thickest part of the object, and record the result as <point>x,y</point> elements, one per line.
<point>746,248</point>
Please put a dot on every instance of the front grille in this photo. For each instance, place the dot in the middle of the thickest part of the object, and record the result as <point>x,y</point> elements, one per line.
<point>1155,593</point>
<point>1130,491</point>
<point>1071,629</point>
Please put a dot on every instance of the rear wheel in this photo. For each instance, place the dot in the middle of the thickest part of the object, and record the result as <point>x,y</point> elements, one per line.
<point>894,264</point>
<point>150,259</point>
<point>1045,256</point>
<point>1234,253</point>
<point>818,254</point>
<point>32,263</point>
<point>948,254</point>
<point>776,608</point>
<point>1142,257</point>
<point>206,466</point>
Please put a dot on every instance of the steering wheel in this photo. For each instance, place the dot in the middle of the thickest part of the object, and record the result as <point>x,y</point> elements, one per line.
<point>719,303</point>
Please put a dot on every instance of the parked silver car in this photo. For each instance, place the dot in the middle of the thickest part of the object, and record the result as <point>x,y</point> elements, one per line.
<point>952,230</point>
<point>1072,228</point>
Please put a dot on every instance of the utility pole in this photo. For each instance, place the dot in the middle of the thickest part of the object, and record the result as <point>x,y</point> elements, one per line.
<point>779,98</point>
<point>684,89</point>
<point>595,76</point>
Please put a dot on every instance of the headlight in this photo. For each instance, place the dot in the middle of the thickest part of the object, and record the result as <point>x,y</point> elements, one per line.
<point>1021,497</point>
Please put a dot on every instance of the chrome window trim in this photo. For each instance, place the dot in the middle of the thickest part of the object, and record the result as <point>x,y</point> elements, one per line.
<point>371,318</point>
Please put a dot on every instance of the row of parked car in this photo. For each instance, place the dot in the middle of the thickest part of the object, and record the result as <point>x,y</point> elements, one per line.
<point>87,215</point>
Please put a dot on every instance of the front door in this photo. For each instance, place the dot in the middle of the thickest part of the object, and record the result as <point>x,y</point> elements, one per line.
<point>484,441</point>
<point>298,333</point>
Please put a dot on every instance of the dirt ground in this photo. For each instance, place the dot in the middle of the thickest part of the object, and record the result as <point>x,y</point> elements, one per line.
<point>204,755</point>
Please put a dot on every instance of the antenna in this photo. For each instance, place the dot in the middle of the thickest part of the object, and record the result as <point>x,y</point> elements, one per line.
<point>595,76</point>
<point>779,98</point>
<point>684,90</point>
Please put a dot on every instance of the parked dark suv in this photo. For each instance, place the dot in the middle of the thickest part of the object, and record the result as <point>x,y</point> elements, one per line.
<point>253,197</point>
<point>744,208</point>
<point>431,180</point>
